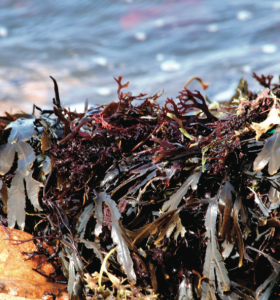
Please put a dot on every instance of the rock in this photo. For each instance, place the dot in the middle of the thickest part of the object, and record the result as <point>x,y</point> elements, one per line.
<point>17,277</point>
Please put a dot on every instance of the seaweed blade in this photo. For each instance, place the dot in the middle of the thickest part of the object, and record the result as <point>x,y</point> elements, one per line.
<point>270,282</point>
<point>117,235</point>
<point>176,198</point>
<point>185,291</point>
<point>22,130</point>
<point>270,154</point>
<point>16,203</point>
<point>213,258</point>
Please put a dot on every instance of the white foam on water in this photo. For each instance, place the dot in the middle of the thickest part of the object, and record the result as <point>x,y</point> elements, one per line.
<point>101,61</point>
<point>170,66</point>
<point>247,69</point>
<point>276,5</point>
<point>3,32</point>
<point>212,28</point>
<point>104,91</point>
<point>140,36</point>
<point>244,15</point>
<point>77,107</point>
<point>159,22</point>
<point>269,48</point>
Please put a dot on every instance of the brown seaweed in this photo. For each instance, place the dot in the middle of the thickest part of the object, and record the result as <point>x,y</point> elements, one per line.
<point>142,201</point>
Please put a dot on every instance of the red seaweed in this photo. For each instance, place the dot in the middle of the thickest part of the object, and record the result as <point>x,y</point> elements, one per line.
<point>180,189</point>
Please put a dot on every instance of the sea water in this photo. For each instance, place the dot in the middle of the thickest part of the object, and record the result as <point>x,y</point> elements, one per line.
<point>155,45</point>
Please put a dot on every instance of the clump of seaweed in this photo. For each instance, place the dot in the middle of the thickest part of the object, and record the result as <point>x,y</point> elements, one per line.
<point>142,201</point>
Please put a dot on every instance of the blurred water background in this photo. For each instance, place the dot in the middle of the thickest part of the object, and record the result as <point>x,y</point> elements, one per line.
<point>153,44</point>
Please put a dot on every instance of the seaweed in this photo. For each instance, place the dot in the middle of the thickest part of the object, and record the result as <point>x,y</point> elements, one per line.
<point>142,201</point>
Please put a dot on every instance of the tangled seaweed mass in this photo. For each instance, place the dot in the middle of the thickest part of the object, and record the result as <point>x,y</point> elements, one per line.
<point>147,202</point>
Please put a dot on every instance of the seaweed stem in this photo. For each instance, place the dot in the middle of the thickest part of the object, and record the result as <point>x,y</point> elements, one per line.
<point>203,84</point>
<point>57,98</point>
<point>143,141</point>
<point>83,121</point>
